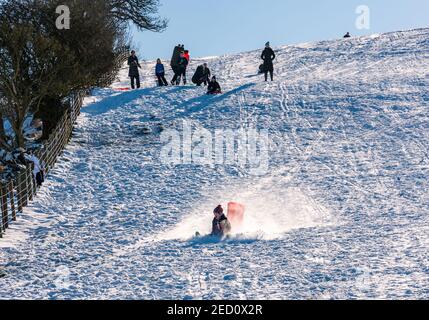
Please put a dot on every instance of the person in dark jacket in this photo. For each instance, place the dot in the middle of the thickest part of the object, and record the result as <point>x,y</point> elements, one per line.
<point>268,56</point>
<point>220,225</point>
<point>160,73</point>
<point>347,35</point>
<point>202,75</point>
<point>133,63</point>
<point>214,87</point>
<point>175,59</point>
<point>180,70</point>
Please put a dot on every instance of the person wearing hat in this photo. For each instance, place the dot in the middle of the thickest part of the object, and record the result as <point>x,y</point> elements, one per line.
<point>220,225</point>
<point>133,63</point>
<point>268,56</point>
<point>214,87</point>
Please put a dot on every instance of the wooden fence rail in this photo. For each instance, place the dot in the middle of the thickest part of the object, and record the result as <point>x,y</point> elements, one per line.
<point>16,193</point>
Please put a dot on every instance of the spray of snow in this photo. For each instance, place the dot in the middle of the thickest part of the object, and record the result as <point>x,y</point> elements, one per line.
<point>271,211</point>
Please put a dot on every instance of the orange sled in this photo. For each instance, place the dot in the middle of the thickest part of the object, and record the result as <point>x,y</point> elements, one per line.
<point>236,214</point>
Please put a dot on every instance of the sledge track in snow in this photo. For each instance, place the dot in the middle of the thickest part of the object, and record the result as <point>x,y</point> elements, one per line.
<point>348,121</point>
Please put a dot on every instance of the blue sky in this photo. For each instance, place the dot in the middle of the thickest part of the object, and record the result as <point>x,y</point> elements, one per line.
<point>219,27</point>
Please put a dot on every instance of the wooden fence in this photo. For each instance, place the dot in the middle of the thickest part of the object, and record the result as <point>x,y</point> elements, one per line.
<point>18,192</point>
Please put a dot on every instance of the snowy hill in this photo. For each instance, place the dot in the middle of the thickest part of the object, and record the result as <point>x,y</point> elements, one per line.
<point>341,211</point>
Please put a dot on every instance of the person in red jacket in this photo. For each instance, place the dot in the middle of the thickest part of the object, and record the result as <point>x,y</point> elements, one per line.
<point>185,65</point>
<point>180,71</point>
<point>187,55</point>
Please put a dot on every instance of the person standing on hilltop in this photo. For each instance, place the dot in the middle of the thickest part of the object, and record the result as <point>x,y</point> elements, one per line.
<point>268,56</point>
<point>180,70</point>
<point>174,63</point>
<point>160,73</point>
<point>133,63</point>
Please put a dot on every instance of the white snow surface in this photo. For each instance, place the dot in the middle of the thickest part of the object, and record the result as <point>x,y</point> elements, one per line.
<point>342,212</point>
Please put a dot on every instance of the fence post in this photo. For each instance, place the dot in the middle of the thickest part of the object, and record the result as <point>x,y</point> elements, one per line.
<point>25,184</point>
<point>29,178</point>
<point>68,128</point>
<point>21,191</point>
<point>12,200</point>
<point>3,195</point>
<point>1,221</point>
<point>34,188</point>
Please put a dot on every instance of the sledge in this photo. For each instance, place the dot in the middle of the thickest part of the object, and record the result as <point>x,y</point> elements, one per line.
<point>252,75</point>
<point>145,131</point>
<point>183,86</point>
<point>122,89</point>
<point>236,214</point>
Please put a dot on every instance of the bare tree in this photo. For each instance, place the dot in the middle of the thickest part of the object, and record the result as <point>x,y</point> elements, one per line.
<point>143,13</point>
<point>3,138</point>
<point>40,64</point>
<point>31,67</point>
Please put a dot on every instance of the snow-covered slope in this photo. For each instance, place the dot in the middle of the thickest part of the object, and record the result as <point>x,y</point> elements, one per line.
<point>341,212</point>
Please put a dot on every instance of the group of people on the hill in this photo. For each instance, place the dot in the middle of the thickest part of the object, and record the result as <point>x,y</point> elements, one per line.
<point>179,64</point>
